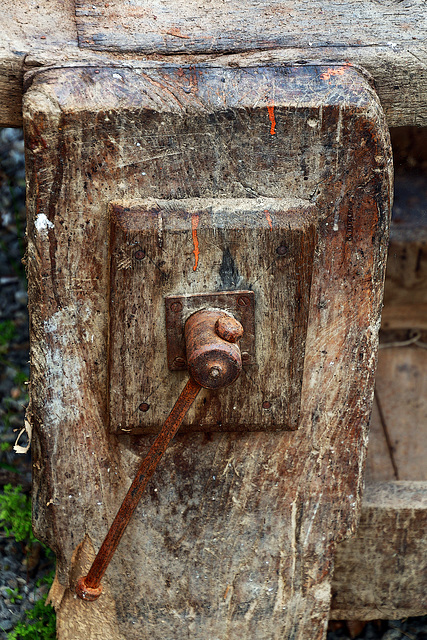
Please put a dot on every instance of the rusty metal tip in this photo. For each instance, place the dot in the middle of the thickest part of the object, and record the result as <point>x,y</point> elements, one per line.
<point>228,328</point>
<point>87,593</point>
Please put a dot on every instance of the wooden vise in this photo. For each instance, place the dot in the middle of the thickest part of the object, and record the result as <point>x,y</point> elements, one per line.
<point>233,157</point>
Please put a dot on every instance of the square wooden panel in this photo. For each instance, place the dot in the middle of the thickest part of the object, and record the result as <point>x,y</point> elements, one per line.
<point>163,248</point>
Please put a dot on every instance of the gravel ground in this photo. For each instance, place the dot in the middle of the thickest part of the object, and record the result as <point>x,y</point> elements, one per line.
<point>18,573</point>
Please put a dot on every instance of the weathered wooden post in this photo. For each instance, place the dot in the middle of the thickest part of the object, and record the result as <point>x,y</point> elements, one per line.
<point>257,185</point>
<point>179,181</point>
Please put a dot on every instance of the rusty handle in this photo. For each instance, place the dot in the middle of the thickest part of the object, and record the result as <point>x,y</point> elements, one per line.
<point>89,587</point>
<point>212,364</point>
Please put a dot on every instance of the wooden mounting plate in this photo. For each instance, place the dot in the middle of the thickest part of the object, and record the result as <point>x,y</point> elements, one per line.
<point>198,246</point>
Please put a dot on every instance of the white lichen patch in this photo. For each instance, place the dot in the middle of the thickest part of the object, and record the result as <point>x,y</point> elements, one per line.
<point>43,223</point>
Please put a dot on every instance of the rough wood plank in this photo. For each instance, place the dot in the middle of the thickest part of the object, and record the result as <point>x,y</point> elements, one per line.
<point>386,38</point>
<point>405,295</point>
<point>187,26</point>
<point>379,465</point>
<point>237,243</point>
<point>382,571</point>
<point>45,34</point>
<point>402,391</point>
<point>235,538</point>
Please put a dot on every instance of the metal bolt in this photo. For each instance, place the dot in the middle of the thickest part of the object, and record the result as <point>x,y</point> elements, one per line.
<point>282,250</point>
<point>243,301</point>
<point>144,406</point>
<point>176,307</point>
<point>246,356</point>
<point>266,404</point>
<point>179,362</point>
<point>139,255</point>
<point>214,372</point>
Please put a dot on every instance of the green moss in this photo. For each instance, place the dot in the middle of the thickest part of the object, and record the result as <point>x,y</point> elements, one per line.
<point>15,515</point>
<point>41,624</point>
<point>7,332</point>
<point>15,521</point>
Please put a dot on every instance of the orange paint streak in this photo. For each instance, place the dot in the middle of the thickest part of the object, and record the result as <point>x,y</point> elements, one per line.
<point>337,71</point>
<point>176,32</point>
<point>272,119</point>
<point>268,216</point>
<point>194,225</point>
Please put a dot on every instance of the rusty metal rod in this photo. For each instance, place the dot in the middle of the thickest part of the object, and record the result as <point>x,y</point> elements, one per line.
<point>89,587</point>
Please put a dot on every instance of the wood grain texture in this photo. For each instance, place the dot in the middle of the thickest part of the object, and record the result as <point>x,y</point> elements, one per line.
<point>405,295</point>
<point>386,38</point>
<point>379,464</point>
<point>27,28</point>
<point>186,26</point>
<point>382,571</point>
<point>235,537</point>
<point>402,392</point>
<point>237,241</point>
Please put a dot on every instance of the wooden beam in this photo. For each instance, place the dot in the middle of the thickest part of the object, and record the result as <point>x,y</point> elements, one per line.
<point>189,26</point>
<point>388,41</point>
<point>46,26</point>
<point>382,571</point>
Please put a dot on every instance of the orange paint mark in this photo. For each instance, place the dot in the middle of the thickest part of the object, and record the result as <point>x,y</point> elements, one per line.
<point>336,71</point>
<point>174,31</point>
<point>268,216</point>
<point>194,225</point>
<point>272,119</point>
<point>226,591</point>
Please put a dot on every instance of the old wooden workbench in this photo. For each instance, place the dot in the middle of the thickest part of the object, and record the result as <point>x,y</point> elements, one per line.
<point>62,58</point>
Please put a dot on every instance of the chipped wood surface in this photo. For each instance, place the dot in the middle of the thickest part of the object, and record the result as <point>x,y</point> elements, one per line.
<point>382,571</point>
<point>235,537</point>
<point>28,28</point>
<point>387,39</point>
